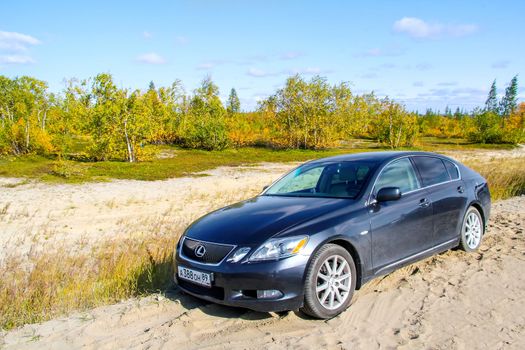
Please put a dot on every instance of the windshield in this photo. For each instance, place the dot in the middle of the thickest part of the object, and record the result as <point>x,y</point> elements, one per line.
<point>330,179</point>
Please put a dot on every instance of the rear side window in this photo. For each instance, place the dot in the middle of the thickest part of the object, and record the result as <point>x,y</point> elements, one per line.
<point>452,170</point>
<point>432,170</point>
<point>398,174</point>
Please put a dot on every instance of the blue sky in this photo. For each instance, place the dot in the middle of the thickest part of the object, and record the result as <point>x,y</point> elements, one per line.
<point>421,53</point>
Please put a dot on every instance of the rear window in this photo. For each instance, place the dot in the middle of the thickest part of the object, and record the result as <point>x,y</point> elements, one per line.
<point>432,170</point>
<point>452,170</point>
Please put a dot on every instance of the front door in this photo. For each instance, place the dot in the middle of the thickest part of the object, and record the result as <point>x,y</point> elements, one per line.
<point>404,227</point>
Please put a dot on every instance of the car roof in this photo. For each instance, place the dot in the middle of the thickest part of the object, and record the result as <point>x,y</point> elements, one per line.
<point>378,157</point>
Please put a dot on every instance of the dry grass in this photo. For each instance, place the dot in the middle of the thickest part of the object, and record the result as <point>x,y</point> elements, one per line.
<point>506,177</point>
<point>51,284</point>
<point>56,283</point>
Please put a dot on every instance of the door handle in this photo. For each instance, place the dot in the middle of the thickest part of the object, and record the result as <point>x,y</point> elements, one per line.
<point>424,203</point>
<point>461,189</point>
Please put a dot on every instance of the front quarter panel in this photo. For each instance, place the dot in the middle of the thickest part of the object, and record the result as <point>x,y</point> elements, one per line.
<point>352,228</point>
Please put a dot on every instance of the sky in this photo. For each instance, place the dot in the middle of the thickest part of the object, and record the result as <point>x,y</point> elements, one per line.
<point>424,54</point>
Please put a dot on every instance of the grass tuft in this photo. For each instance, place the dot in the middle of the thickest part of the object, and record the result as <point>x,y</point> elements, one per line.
<point>506,177</point>
<point>61,282</point>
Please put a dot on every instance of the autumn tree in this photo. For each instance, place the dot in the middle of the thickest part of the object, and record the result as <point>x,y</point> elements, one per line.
<point>23,116</point>
<point>118,123</point>
<point>205,126</point>
<point>514,130</point>
<point>394,126</point>
<point>486,127</point>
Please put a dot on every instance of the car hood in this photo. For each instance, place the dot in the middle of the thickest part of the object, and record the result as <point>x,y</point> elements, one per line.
<point>255,220</point>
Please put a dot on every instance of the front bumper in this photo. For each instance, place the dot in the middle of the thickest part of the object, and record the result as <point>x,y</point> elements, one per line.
<point>235,284</point>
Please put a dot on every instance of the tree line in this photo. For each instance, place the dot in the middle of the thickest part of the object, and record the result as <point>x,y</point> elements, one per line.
<point>500,120</point>
<point>116,123</point>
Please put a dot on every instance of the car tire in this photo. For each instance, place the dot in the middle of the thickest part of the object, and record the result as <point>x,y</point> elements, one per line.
<point>339,283</point>
<point>472,230</point>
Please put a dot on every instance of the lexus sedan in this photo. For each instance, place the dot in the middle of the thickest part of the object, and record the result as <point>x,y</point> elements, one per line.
<point>329,226</point>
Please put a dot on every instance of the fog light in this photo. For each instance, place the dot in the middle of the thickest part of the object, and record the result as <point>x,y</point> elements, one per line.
<point>269,294</point>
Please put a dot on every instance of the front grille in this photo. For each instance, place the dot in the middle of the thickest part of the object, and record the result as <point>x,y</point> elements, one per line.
<point>213,292</point>
<point>214,252</point>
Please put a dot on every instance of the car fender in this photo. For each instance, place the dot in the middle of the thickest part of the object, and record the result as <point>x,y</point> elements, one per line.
<point>350,243</point>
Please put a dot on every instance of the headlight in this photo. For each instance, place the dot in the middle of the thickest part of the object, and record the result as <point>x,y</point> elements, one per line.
<point>277,248</point>
<point>238,255</point>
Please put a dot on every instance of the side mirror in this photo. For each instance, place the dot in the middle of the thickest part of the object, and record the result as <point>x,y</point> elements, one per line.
<point>388,194</point>
<point>265,187</point>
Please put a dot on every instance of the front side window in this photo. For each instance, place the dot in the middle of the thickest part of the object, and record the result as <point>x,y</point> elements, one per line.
<point>432,170</point>
<point>399,173</point>
<point>330,179</point>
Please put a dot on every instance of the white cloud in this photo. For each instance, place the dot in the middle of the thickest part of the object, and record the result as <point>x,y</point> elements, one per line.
<point>259,97</point>
<point>16,59</point>
<point>420,29</point>
<point>151,58</point>
<point>147,35</point>
<point>12,41</point>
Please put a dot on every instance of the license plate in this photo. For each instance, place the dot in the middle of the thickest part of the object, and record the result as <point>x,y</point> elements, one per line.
<point>197,277</point>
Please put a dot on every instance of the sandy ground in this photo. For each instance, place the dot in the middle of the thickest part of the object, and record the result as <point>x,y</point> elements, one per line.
<point>454,300</point>
<point>36,216</point>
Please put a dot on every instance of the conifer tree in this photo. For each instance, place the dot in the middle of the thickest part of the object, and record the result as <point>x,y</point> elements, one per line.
<point>233,105</point>
<point>491,104</point>
<point>510,101</point>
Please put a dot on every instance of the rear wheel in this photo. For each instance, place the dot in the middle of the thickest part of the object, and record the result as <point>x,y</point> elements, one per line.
<point>472,230</point>
<point>330,282</point>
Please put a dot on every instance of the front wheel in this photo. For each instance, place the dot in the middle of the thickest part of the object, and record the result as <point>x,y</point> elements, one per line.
<point>330,282</point>
<point>472,230</point>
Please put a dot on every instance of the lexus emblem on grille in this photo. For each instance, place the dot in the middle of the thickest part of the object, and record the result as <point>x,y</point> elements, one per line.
<point>200,250</point>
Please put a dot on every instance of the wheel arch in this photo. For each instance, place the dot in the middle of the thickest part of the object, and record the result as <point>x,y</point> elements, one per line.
<point>355,255</point>
<point>479,207</point>
<point>350,248</point>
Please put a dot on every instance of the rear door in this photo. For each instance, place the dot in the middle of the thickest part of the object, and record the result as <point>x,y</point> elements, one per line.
<point>446,191</point>
<point>400,228</point>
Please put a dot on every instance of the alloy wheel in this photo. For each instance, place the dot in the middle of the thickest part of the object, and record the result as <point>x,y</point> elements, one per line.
<point>473,230</point>
<point>334,279</point>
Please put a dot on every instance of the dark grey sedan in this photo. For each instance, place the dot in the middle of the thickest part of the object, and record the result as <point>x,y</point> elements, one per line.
<point>329,226</point>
